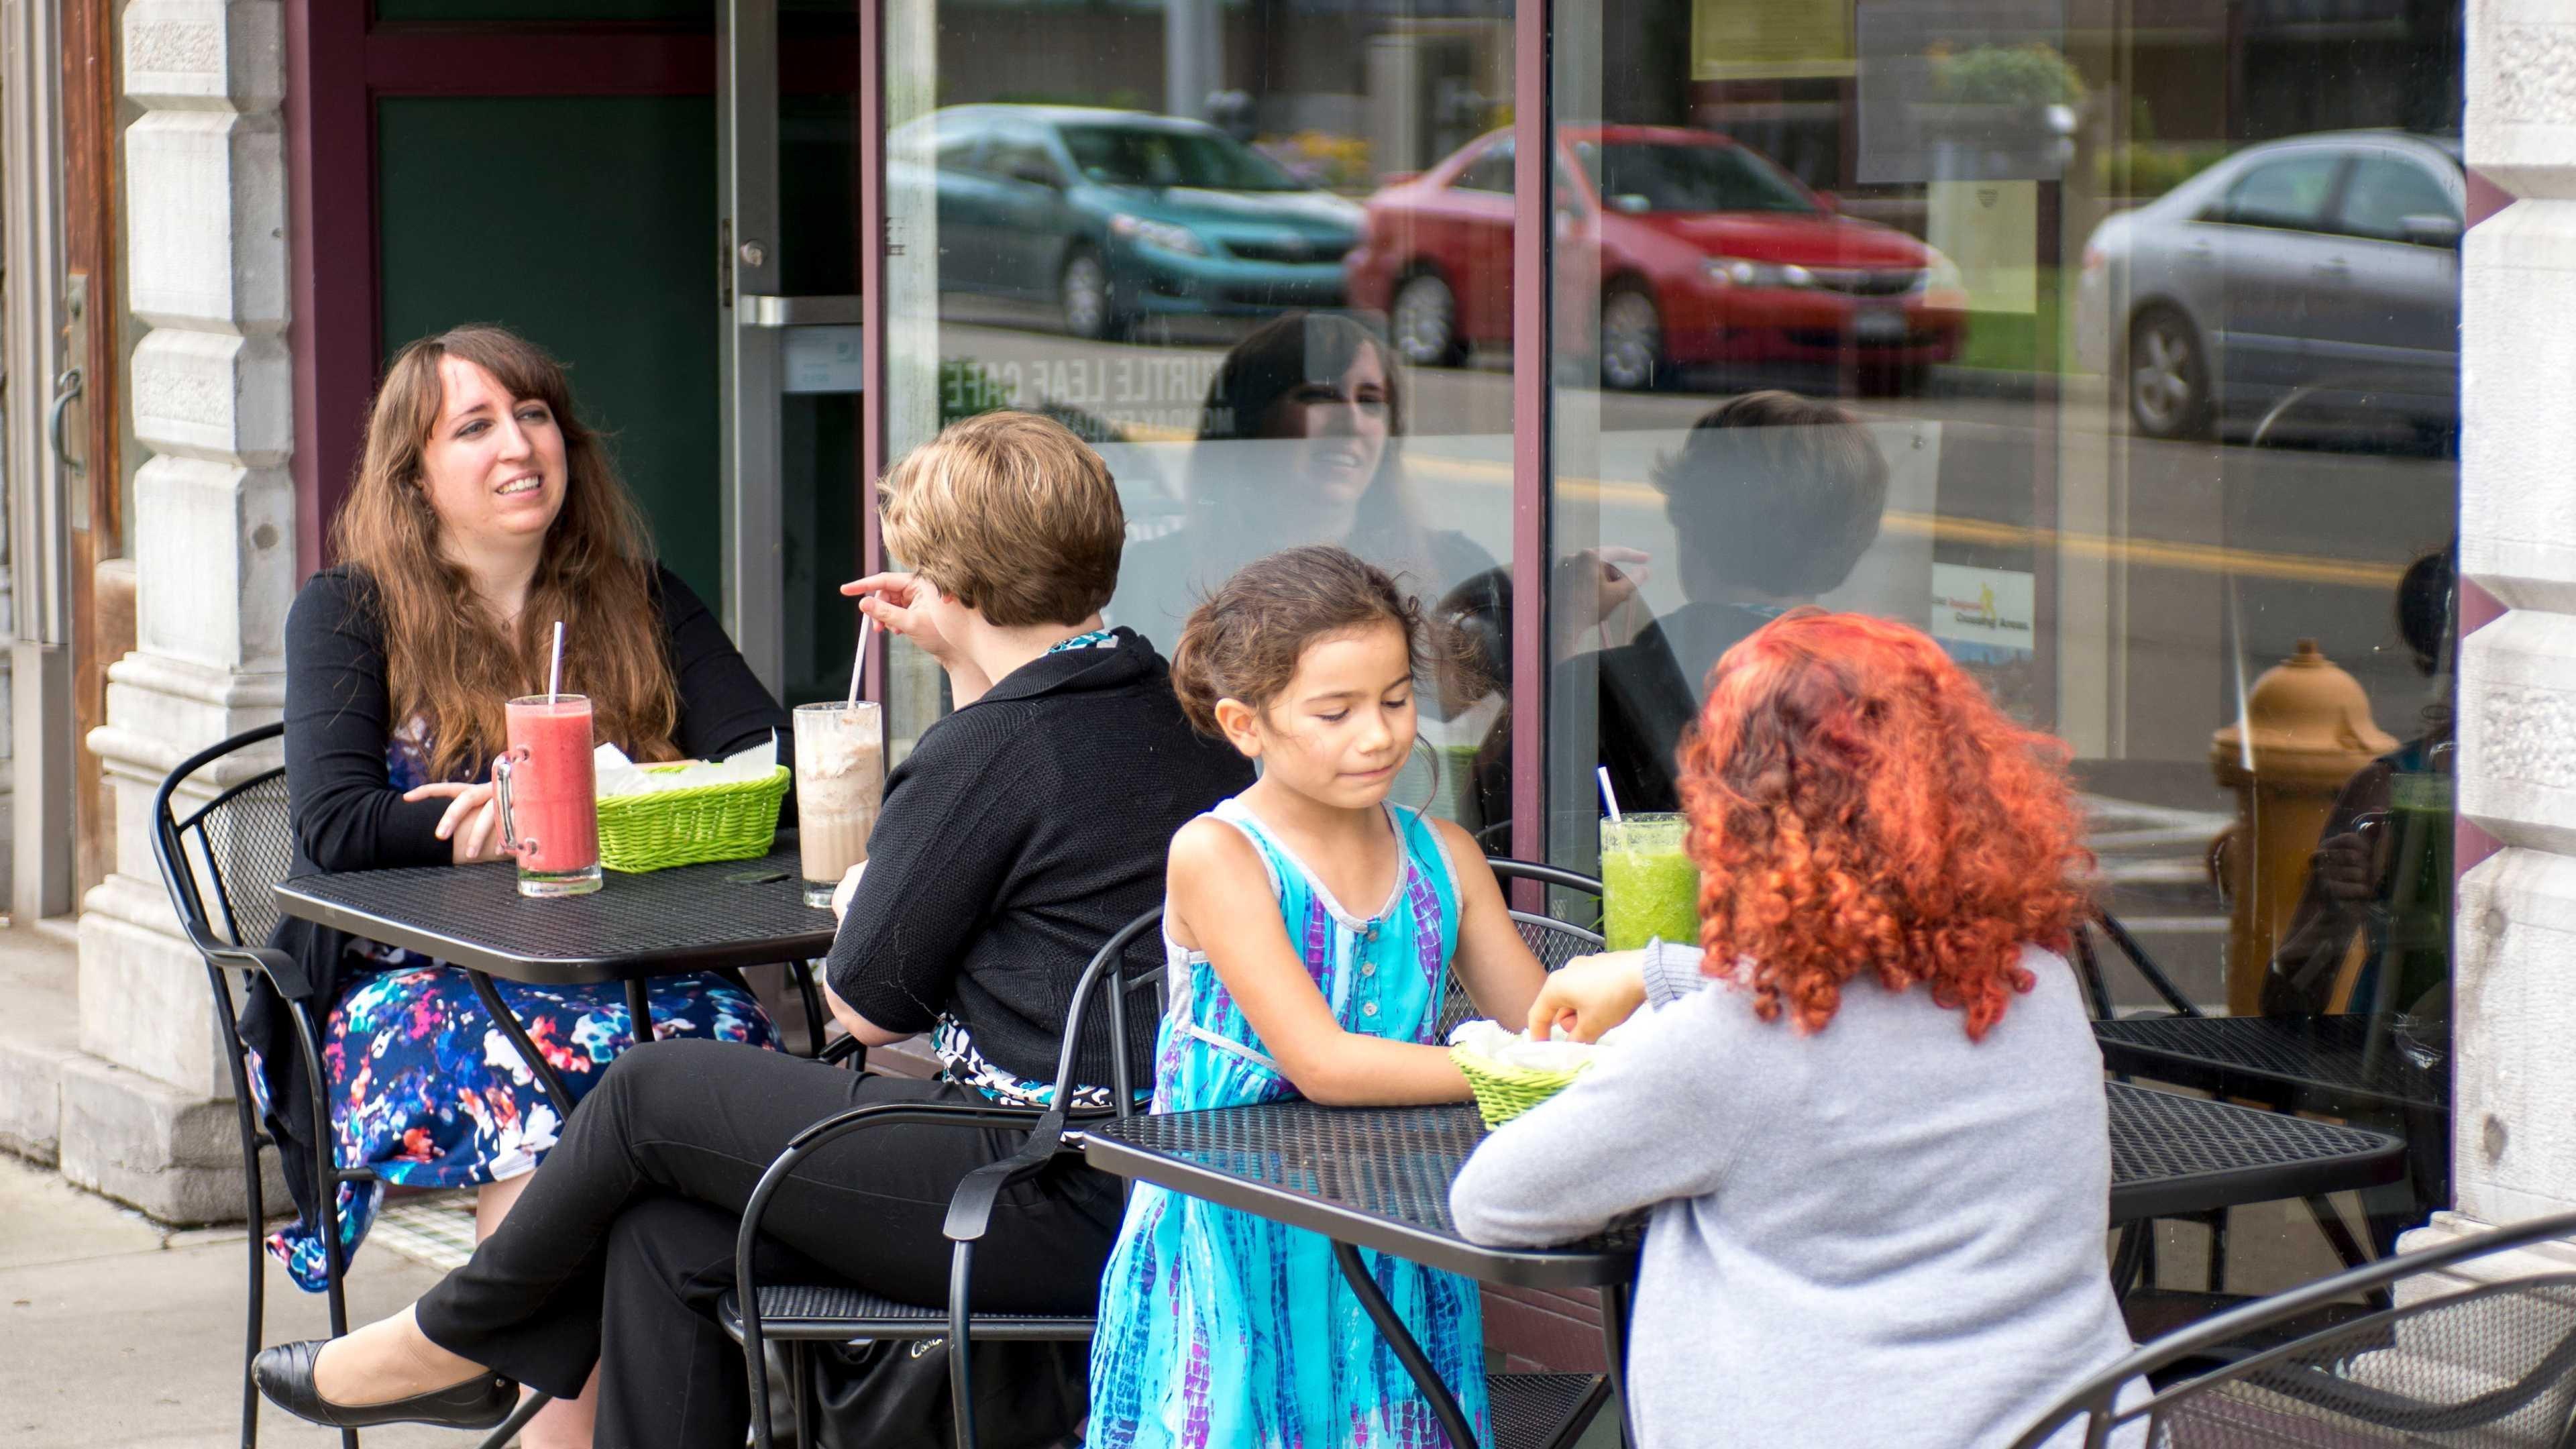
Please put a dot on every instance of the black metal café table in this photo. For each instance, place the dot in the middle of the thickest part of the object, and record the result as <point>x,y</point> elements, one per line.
<point>1378,1178</point>
<point>2358,1065</point>
<point>717,917</point>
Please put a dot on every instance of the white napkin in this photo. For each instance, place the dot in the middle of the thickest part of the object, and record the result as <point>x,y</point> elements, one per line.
<point>1504,1047</point>
<point>619,775</point>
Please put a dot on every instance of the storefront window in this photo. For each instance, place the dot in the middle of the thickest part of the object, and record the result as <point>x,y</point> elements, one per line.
<point>1239,247</point>
<point>2041,326</point>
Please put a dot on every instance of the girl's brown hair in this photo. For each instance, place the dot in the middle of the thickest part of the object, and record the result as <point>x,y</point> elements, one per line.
<point>448,663</point>
<point>1243,641</point>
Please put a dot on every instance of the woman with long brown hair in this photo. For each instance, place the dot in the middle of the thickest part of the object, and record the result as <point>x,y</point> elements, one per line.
<point>482,513</point>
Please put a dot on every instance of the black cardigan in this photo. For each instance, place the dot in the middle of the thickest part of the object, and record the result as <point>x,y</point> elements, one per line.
<point>348,816</point>
<point>1021,833</point>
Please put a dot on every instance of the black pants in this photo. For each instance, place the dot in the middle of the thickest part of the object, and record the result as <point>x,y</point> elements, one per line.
<point>622,1244</point>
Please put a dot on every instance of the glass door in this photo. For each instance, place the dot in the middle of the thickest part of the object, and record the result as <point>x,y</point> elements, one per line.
<point>1250,250</point>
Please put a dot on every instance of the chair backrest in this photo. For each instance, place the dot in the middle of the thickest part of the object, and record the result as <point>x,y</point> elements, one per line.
<point>1552,941</point>
<point>220,859</point>
<point>1115,986</point>
<point>2474,1353</point>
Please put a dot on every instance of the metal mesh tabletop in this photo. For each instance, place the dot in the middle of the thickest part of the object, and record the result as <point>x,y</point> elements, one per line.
<point>2172,1155</point>
<point>2315,1062</point>
<point>1379,1176</point>
<point>690,917</point>
<point>1374,1176</point>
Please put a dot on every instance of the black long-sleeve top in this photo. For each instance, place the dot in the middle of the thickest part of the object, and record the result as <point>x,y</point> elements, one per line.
<point>349,816</point>
<point>1024,830</point>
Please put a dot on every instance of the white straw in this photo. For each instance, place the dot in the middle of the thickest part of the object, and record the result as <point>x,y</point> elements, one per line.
<point>859,663</point>
<point>554,671</point>
<point>1608,796</point>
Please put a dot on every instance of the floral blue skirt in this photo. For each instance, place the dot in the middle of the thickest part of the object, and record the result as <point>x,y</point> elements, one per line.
<point>430,1092</point>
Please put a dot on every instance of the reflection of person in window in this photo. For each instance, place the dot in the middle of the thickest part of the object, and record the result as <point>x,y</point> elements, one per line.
<point>1322,396</point>
<point>2382,871</point>
<point>1773,498</point>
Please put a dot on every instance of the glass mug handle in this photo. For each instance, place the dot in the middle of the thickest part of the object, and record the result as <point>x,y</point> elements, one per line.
<point>510,842</point>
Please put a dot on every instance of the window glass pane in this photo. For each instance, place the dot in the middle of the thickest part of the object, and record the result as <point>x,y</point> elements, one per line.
<point>1915,307</point>
<point>1251,287</point>
<point>2385,196</point>
<point>1490,171</point>
<point>2288,193</point>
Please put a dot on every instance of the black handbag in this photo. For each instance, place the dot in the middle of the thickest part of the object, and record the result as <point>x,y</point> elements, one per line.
<point>893,1394</point>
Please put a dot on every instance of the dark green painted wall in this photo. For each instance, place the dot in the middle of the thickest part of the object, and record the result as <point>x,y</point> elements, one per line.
<point>588,225</point>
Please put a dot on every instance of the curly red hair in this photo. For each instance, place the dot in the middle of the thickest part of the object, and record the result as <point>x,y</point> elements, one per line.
<point>1857,803</point>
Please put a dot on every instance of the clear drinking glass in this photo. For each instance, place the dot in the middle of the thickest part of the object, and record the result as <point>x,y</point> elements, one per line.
<point>1649,887</point>
<point>549,795</point>
<point>840,782</point>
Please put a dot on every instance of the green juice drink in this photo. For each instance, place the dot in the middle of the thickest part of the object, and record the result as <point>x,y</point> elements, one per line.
<point>1649,887</point>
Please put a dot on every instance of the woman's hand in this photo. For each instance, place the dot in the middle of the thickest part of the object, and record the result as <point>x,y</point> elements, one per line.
<point>1589,995</point>
<point>894,600</point>
<point>848,887</point>
<point>472,824</point>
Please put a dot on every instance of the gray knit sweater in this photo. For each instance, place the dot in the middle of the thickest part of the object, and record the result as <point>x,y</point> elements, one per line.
<point>1881,1234</point>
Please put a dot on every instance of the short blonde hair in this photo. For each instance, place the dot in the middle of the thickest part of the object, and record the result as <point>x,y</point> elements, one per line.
<point>1010,514</point>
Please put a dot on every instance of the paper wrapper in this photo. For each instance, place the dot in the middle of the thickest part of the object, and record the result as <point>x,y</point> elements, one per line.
<point>619,775</point>
<point>1514,1050</point>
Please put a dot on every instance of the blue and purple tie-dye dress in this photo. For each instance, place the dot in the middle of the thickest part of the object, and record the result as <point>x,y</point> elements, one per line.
<point>1220,1330</point>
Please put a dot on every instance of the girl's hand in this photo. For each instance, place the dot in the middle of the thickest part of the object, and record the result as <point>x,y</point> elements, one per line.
<point>472,824</point>
<point>1589,995</point>
<point>893,600</point>
<point>848,887</point>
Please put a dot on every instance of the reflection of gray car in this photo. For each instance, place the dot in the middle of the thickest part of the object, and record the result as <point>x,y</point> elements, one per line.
<point>2329,261</point>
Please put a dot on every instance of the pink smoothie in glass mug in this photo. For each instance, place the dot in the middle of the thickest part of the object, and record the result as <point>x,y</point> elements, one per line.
<point>550,795</point>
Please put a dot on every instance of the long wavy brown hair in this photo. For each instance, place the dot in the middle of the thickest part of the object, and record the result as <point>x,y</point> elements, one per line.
<point>1857,804</point>
<point>448,662</point>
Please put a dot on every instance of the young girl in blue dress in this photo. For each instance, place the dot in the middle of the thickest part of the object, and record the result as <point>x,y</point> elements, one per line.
<point>1310,929</point>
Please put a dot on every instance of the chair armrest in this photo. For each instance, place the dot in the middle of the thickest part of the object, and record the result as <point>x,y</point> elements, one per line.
<point>846,1049</point>
<point>283,971</point>
<point>970,1212</point>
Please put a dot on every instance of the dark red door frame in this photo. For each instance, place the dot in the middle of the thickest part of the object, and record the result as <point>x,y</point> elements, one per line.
<point>1533,412</point>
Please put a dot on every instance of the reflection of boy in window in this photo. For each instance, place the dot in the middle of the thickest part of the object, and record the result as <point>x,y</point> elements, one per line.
<point>1773,498</point>
<point>2381,875</point>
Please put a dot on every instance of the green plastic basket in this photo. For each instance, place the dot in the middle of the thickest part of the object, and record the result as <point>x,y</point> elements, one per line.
<point>736,821</point>
<point>1502,1092</point>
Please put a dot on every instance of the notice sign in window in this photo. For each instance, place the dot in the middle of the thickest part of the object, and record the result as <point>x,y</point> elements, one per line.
<point>1992,611</point>
<point>1770,39</point>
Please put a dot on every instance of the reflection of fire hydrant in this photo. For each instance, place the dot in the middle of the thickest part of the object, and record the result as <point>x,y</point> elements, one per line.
<point>2306,730</point>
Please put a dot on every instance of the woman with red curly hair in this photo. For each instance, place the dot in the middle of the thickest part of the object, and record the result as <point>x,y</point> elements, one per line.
<point>1874,1148</point>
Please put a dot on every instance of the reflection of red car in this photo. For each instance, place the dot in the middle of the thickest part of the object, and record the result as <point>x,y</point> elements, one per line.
<point>1707,252</point>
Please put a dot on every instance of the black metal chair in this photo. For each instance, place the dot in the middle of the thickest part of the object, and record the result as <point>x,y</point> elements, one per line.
<point>218,861</point>
<point>801,1316</point>
<point>2468,1356</point>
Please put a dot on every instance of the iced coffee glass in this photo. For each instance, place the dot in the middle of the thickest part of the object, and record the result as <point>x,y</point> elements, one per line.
<point>840,781</point>
<point>1649,887</point>
<point>549,795</point>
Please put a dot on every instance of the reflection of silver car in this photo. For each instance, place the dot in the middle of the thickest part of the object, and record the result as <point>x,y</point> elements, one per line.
<point>2329,261</point>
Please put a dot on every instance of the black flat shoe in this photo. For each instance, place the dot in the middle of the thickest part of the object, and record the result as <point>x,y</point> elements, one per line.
<point>285,1375</point>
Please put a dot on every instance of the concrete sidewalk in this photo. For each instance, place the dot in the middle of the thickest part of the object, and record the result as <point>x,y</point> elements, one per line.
<point>119,1333</point>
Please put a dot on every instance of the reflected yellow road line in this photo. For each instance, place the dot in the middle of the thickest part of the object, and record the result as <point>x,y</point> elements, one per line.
<point>2143,552</point>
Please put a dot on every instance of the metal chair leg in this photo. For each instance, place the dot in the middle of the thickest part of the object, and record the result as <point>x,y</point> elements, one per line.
<point>815,1015</point>
<point>800,1389</point>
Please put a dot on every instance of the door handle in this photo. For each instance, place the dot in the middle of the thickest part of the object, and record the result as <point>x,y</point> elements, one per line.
<point>67,389</point>
<point>764,310</point>
<point>2335,268</point>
